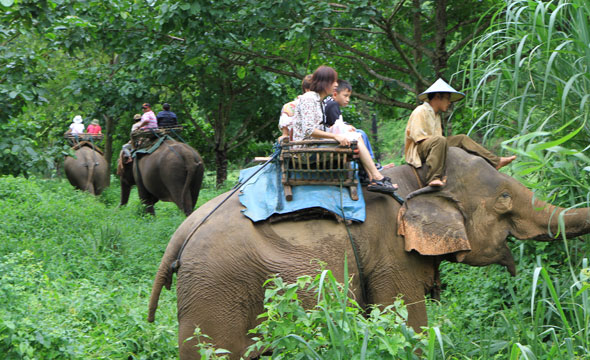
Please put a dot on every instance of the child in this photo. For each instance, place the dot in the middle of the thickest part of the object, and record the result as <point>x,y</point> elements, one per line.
<point>341,98</point>
<point>94,127</point>
<point>288,111</point>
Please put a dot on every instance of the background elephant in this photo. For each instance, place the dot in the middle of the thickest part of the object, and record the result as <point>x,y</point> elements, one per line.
<point>174,172</point>
<point>228,257</point>
<point>87,170</point>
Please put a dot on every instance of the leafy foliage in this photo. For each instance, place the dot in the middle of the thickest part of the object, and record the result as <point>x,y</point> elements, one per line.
<point>335,328</point>
<point>76,273</point>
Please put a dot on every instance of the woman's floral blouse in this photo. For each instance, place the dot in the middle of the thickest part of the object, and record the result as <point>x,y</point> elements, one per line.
<point>308,115</point>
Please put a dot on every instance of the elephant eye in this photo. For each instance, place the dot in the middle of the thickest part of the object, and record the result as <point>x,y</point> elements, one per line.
<point>505,195</point>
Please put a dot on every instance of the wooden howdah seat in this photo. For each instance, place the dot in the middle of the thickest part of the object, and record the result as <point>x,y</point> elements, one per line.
<point>319,162</point>
<point>76,139</point>
<point>143,138</point>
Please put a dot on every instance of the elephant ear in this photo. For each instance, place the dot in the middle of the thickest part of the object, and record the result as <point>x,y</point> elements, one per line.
<point>434,224</point>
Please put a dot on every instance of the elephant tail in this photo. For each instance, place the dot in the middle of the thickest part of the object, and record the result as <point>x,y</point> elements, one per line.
<point>192,179</point>
<point>90,162</point>
<point>163,278</point>
<point>165,271</point>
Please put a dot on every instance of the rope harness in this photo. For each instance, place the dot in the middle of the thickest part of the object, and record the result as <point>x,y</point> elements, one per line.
<point>176,264</point>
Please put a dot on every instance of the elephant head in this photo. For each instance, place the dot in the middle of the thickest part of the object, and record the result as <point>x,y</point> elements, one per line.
<point>470,219</point>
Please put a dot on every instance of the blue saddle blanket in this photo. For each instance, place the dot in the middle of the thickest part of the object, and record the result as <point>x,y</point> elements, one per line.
<point>263,196</point>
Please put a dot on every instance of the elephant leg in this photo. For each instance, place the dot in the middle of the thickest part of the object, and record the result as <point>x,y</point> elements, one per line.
<point>417,317</point>
<point>224,333</point>
<point>147,199</point>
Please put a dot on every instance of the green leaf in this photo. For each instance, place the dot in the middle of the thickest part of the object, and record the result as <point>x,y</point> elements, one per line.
<point>7,3</point>
<point>241,72</point>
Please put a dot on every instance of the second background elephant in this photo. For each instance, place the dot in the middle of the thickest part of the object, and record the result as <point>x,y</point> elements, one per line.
<point>173,172</point>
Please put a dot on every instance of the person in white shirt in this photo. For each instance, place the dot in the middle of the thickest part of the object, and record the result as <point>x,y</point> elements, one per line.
<point>76,127</point>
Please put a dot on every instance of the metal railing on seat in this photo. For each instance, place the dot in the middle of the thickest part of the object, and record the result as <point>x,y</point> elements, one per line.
<point>319,162</point>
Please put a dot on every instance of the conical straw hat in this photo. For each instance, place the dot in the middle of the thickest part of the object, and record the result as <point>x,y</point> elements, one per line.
<point>440,86</point>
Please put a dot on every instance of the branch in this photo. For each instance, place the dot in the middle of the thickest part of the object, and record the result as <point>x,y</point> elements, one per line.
<point>200,130</point>
<point>174,37</point>
<point>266,67</point>
<point>384,101</point>
<point>408,62</point>
<point>468,38</point>
<point>375,74</point>
<point>394,12</point>
<point>365,55</point>
<point>241,130</point>
<point>245,139</point>
<point>10,39</point>
<point>354,29</point>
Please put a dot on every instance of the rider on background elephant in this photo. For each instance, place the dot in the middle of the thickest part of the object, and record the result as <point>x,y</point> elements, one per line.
<point>225,260</point>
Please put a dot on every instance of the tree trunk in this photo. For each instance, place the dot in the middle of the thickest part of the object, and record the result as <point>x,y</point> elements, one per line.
<point>440,38</point>
<point>221,164</point>
<point>417,24</point>
<point>108,142</point>
<point>374,132</point>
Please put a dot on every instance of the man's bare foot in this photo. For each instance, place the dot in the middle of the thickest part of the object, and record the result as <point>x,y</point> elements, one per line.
<point>436,183</point>
<point>388,166</point>
<point>505,161</point>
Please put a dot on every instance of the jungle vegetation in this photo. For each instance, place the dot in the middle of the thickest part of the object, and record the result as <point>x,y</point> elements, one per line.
<point>76,271</point>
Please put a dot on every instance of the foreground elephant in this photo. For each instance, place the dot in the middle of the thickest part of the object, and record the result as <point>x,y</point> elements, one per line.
<point>173,172</point>
<point>228,257</point>
<point>87,170</point>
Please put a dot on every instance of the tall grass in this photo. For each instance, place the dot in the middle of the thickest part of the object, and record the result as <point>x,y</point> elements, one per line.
<point>336,327</point>
<point>76,273</point>
<point>529,81</point>
<point>528,78</point>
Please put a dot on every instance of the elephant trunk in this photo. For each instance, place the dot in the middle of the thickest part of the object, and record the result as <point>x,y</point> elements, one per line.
<point>125,191</point>
<point>541,222</point>
<point>125,173</point>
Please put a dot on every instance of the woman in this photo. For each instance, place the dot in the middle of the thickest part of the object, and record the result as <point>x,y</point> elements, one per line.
<point>309,123</point>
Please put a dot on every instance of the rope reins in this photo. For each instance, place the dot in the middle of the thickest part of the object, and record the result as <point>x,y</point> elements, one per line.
<point>355,250</point>
<point>176,264</point>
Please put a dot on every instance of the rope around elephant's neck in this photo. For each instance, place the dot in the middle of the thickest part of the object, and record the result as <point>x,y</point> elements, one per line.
<point>176,264</point>
<point>355,251</point>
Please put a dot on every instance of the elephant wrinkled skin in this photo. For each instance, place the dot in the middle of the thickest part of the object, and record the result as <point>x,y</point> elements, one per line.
<point>174,172</point>
<point>228,257</point>
<point>87,170</point>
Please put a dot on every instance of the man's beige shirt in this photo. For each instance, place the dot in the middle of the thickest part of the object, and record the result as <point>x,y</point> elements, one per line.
<point>423,124</point>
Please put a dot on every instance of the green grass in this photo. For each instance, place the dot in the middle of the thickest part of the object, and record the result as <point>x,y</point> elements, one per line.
<point>76,273</point>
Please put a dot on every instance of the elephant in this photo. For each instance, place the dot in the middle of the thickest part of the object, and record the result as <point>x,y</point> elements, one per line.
<point>226,259</point>
<point>173,172</point>
<point>87,170</point>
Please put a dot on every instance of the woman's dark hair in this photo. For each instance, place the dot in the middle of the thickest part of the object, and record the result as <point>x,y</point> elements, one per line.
<point>322,79</point>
